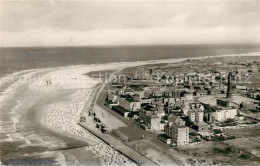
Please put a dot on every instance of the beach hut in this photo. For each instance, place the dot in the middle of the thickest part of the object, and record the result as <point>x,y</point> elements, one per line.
<point>82,119</point>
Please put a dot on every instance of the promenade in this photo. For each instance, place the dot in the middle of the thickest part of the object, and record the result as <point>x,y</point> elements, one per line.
<point>121,147</point>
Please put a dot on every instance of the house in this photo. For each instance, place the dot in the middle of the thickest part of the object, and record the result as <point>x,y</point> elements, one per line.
<point>195,113</point>
<point>169,100</point>
<point>121,111</point>
<point>157,93</point>
<point>146,101</point>
<point>151,119</point>
<point>241,87</point>
<point>188,96</point>
<point>201,126</point>
<point>185,108</point>
<point>111,96</point>
<point>197,86</point>
<point>128,103</point>
<point>192,115</point>
<point>141,93</point>
<point>213,91</point>
<point>188,86</point>
<point>199,115</point>
<point>176,110</point>
<point>199,92</point>
<point>224,114</point>
<point>207,88</point>
<point>164,138</point>
<point>206,135</point>
<point>129,91</point>
<point>136,97</point>
<point>157,101</point>
<point>223,102</point>
<point>177,130</point>
<point>209,115</point>
<point>214,84</point>
<point>110,103</point>
<point>176,94</point>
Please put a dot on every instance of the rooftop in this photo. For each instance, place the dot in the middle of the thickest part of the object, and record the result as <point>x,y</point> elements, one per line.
<point>202,123</point>
<point>120,109</point>
<point>164,136</point>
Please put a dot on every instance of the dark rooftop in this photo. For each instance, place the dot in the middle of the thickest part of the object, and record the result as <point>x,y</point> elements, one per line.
<point>164,136</point>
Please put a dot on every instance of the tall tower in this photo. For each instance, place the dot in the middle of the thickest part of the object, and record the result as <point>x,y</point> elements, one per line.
<point>229,88</point>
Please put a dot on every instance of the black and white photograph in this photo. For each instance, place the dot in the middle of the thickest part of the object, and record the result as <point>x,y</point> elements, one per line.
<point>130,82</point>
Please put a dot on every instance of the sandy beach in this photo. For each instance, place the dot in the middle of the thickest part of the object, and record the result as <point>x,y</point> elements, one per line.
<point>43,123</point>
<point>39,116</point>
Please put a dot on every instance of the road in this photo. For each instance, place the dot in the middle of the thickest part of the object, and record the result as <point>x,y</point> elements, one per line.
<point>121,147</point>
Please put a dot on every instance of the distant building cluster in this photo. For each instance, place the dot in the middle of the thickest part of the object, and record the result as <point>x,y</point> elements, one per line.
<point>179,103</point>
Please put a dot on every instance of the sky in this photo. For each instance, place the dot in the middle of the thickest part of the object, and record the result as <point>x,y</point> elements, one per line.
<point>128,22</point>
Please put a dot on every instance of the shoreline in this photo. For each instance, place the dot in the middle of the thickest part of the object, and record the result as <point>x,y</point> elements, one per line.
<point>170,60</point>
<point>70,145</point>
<point>41,115</point>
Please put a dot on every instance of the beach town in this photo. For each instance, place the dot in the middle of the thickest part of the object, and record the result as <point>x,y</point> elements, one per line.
<point>151,109</point>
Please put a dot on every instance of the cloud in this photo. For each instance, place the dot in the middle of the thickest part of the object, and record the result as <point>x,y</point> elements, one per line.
<point>148,22</point>
<point>166,35</point>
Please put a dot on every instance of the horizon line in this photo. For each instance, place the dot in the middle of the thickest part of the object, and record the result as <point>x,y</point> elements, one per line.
<point>133,45</point>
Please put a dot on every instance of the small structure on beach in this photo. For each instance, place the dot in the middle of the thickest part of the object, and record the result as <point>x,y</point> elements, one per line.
<point>82,119</point>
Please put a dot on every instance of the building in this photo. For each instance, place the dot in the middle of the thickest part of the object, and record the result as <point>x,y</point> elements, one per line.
<point>129,103</point>
<point>201,126</point>
<point>128,91</point>
<point>250,105</point>
<point>176,110</point>
<point>209,116</point>
<point>199,92</point>
<point>177,130</point>
<point>146,100</point>
<point>188,96</point>
<point>192,115</point>
<point>164,138</point>
<point>195,115</point>
<point>136,97</point>
<point>223,102</point>
<point>112,97</point>
<point>157,101</point>
<point>224,114</point>
<point>156,124</point>
<point>169,101</point>
<point>121,111</point>
<point>111,104</point>
<point>151,119</point>
<point>185,109</point>
<point>213,91</point>
<point>199,116</point>
<point>241,87</point>
<point>176,94</point>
